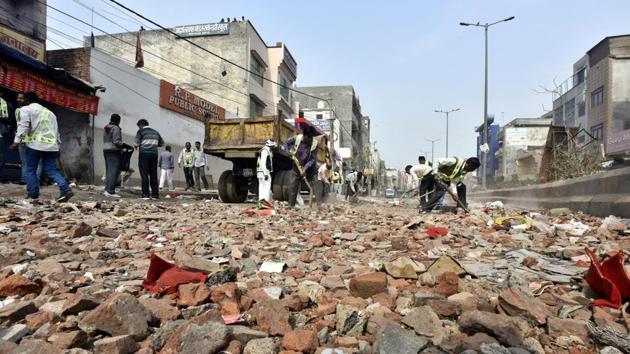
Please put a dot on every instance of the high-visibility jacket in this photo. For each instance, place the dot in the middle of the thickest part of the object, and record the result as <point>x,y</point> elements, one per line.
<point>188,158</point>
<point>452,173</point>
<point>44,133</point>
<point>25,139</point>
<point>4,109</point>
<point>298,141</point>
<point>267,165</point>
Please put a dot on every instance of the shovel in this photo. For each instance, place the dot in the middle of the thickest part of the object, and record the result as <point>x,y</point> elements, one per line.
<point>455,197</point>
<point>303,174</point>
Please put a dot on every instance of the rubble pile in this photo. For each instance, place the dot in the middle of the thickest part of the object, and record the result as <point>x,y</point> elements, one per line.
<point>205,277</point>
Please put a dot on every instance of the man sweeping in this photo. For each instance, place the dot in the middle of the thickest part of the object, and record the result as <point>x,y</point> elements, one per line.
<point>450,173</point>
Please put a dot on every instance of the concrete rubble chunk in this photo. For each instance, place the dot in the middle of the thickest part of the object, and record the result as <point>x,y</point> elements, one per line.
<point>14,333</point>
<point>121,314</point>
<point>515,303</point>
<point>17,311</point>
<point>393,339</point>
<point>115,345</point>
<point>17,285</point>
<point>424,321</point>
<point>368,284</point>
<point>78,303</point>
<point>404,267</point>
<point>262,346</point>
<point>507,330</point>
<point>300,340</point>
<point>272,317</point>
<point>350,320</point>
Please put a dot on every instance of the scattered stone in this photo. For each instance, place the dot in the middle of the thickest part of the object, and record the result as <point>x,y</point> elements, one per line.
<point>121,314</point>
<point>78,303</point>
<point>115,345</point>
<point>80,230</point>
<point>404,267</point>
<point>17,285</point>
<point>393,339</point>
<point>566,327</point>
<point>161,309</point>
<point>193,294</point>
<point>515,303</point>
<point>67,340</point>
<point>424,321</point>
<point>109,233</point>
<point>17,311</point>
<point>261,346</point>
<point>507,330</point>
<point>300,341</point>
<point>445,264</point>
<point>202,265</point>
<point>369,284</point>
<point>350,321</point>
<point>272,317</point>
<point>447,284</point>
<point>14,333</point>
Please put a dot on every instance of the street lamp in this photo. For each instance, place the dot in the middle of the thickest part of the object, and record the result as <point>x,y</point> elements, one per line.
<point>485,96</point>
<point>447,113</point>
<point>432,147</point>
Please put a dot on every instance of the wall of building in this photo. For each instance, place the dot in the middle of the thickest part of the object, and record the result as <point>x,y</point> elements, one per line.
<point>206,80</point>
<point>134,94</point>
<point>13,13</point>
<point>599,75</point>
<point>518,141</point>
<point>76,143</point>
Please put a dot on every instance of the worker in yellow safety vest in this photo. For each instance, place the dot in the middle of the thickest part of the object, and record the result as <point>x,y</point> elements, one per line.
<point>38,130</point>
<point>450,173</point>
<point>303,148</point>
<point>186,159</point>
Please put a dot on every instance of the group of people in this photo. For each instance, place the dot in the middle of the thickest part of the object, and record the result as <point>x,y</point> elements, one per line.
<point>302,149</point>
<point>147,141</point>
<point>433,180</point>
<point>36,137</point>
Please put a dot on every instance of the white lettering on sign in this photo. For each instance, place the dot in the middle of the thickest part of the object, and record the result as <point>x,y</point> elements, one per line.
<point>208,29</point>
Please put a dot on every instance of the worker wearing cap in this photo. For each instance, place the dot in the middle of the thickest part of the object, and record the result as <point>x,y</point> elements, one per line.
<point>264,168</point>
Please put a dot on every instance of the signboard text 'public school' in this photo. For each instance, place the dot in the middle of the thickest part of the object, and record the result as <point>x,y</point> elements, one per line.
<point>177,99</point>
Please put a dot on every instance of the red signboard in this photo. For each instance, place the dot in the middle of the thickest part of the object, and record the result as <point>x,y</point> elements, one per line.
<point>21,80</point>
<point>618,142</point>
<point>177,99</point>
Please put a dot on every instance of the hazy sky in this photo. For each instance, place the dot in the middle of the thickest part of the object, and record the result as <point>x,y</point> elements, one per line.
<point>407,58</point>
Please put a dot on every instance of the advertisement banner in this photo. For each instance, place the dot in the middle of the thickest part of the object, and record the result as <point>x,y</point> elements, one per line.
<point>618,142</point>
<point>29,46</point>
<point>177,99</point>
<point>208,29</point>
<point>21,80</point>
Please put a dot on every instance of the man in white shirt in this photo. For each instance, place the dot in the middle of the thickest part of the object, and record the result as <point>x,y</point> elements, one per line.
<point>200,163</point>
<point>38,130</point>
<point>422,174</point>
<point>323,183</point>
<point>264,169</point>
<point>351,183</point>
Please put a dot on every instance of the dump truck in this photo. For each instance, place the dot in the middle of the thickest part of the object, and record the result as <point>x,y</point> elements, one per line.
<point>239,141</point>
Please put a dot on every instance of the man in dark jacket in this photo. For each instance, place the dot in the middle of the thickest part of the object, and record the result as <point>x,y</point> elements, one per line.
<point>112,145</point>
<point>147,142</point>
<point>303,148</point>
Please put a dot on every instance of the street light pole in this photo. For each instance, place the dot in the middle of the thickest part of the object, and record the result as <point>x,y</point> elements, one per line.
<point>432,147</point>
<point>485,95</point>
<point>447,113</point>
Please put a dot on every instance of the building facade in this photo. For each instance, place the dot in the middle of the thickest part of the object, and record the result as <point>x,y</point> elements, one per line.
<point>241,93</point>
<point>570,101</point>
<point>608,93</point>
<point>493,147</point>
<point>134,94</point>
<point>346,110</point>
<point>522,143</point>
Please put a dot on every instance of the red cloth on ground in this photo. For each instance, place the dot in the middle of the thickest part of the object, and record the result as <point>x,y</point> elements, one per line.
<point>164,277</point>
<point>438,230</point>
<point>608,278</point>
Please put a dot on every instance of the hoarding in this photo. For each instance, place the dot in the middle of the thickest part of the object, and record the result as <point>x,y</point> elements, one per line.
<point>177,99</point>
<point>208,29</point>
<point>618,142</point>
<point>29,46</point>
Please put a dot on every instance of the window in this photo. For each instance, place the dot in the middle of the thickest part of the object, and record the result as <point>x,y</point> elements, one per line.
<point>319,116</point>
<point>557,116</point>
<point>257,67</point>
<point>580,139</point>
<point>255,108</point>
<point>284,88</point>
<point>581,108</point>
<point>581,76</point>
<point>597,132</point>
<point>597,97</point>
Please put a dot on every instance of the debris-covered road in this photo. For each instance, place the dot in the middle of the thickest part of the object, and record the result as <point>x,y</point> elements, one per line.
<point>366,278</point>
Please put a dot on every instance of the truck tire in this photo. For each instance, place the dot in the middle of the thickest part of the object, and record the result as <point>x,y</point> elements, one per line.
<point>232,189</point>
<point>223,186</point>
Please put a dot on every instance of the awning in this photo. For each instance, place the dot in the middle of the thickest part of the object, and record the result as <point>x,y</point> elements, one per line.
<point>19,72</point>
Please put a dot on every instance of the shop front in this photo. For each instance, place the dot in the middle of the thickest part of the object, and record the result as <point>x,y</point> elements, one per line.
<point>72,100</point>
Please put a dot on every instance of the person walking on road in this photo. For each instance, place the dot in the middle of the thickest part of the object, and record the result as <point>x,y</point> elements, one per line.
<point>38,130</point>
<point>264,168</point>
<point>322,186</point>
<point>450,173</point>
<point>200,164</point>
<point>187,159</point>
<point>147,142</point>
<point>167,166</point>
<point>112,149</point>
